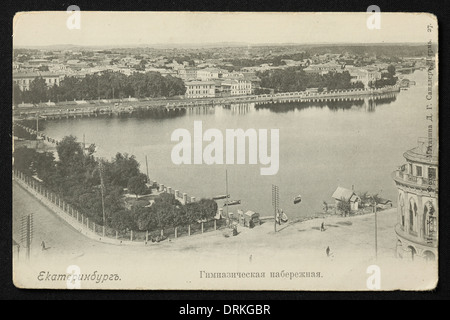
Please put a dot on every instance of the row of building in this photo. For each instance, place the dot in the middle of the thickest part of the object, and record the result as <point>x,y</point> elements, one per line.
<point>200,83</point>
<point>205,82</point>
<point>218,88</point>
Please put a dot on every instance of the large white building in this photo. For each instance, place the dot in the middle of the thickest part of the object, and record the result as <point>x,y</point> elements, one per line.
<point>188,73</point>
<point>25,79</point>
<point>366,76</point>
<point>237,87</point>
<point>324,68</point>
<point>208,74</point>
<point>418,213</point>
<point>200,89</point>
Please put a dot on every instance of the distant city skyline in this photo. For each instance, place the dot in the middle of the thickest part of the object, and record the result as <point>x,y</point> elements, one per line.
<point>109,29</point>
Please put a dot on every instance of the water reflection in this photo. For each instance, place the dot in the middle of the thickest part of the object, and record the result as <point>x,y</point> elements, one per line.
<point>368,103</point>
<point>239,108</point>
<point>200,110</point>
<point>159,113</point>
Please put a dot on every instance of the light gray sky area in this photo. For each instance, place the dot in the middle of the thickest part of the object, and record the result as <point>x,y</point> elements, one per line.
<point>153,28</point>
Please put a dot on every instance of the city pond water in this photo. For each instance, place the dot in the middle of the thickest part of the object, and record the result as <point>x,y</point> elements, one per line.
<point>322,145</point>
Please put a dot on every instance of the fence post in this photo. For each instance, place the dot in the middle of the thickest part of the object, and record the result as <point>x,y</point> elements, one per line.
<point>185,198</point>
<point>215,224</point>
<point>131,235</point>
<point>162,232</point>
<point>202,227</point>
<point>176,232</point>
<point>146,236</point>
<point>117,234</point>
<point>94,228</point>
<point>189,230</point>
<point>82,219</point>
<point>104,232</point>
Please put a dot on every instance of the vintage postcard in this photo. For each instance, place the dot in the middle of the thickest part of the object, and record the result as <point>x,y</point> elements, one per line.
<point>225,151</point>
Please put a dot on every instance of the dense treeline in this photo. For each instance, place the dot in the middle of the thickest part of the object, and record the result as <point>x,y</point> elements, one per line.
<point>109,85</point>
<point>239,63</point>
<point>76,178</point>
<point>387,79</point>
<point>295,79</point>
<point>389,50</point>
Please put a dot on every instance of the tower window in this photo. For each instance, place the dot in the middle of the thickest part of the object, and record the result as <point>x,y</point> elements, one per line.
<point>419,171</point>
<point>432,173</point>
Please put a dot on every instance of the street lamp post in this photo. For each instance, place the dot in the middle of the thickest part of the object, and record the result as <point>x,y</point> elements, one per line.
<point>103,196</point>
<point>374,203</point>
<point>275,203</point>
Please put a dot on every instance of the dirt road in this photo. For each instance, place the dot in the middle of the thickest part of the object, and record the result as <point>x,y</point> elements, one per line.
<point>178,264</point>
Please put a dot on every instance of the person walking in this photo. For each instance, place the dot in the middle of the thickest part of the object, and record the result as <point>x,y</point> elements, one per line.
<point>328,251</point>
<point>322,227</point>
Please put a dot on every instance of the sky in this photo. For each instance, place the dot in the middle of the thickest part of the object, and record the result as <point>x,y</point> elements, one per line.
<point>142,28</point>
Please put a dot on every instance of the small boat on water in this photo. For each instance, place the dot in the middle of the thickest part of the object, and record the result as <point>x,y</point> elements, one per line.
<point>221,197</point>
<point>232,203</point>
<point>298,199</point>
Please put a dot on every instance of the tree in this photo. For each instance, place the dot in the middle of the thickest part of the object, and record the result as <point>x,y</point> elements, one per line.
<point>137,184</point>
<point>391,70</point>
<point>17,95</point>
<point>325,206</point>
<point>44,164</point>
<point>121,169</point>
<point>376,198</point>
<point>72,162</point>
<point>204,209</point>
<point>123,220</point>
<point>366,199</point>
<point>344,207</point>
<point>23,159</point>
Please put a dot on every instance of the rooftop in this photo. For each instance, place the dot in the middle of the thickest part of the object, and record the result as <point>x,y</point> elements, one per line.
<point>34,74</point>
<point>197,83</point>
<point>426,152</point>
<point>343,193</point>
